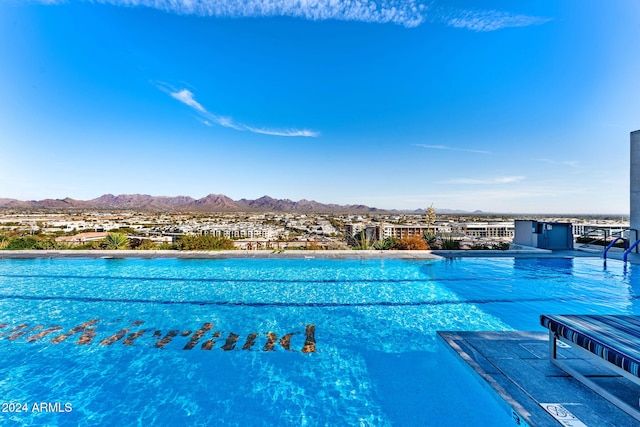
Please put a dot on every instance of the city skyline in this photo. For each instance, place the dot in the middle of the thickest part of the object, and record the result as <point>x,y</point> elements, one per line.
<point>395,104</point>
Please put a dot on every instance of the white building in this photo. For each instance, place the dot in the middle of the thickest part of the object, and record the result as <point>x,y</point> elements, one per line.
<point>243,230</point>
<point>610,228</point>
<point>495,230</point>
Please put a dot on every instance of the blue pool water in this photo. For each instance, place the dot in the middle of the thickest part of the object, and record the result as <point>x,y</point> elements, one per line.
<point>359,343</point>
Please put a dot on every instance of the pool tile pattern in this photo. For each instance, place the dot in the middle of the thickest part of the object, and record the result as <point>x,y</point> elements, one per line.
<point>87,333</point>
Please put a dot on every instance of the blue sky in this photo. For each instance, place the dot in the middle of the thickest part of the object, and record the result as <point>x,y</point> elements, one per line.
<point>495,105</point>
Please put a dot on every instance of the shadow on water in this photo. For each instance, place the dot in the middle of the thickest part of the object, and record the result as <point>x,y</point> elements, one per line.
<point>519,290</point>
<point>544,265</point>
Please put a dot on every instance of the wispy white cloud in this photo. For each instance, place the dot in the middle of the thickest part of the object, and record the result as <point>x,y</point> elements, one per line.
<point>491,181</point>
<point>491,20</point>
<point>570,163</point>
<point>204,121</point>
<point>287,132</point>
<point>448,148</point>
<point>408,13</point>
<point>208,119</point>
<point>186,97</point>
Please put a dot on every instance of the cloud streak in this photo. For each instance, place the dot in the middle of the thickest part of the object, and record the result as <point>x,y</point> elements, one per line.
<point>493,181</point>
<point>207,118</point>
<point>570,163</point>
<point>448,148</point>
<point>408,13</point>
<point>186,97</point>
<point>491,20</point>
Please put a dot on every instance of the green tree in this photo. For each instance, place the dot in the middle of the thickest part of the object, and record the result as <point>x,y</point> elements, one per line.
<point>47,244</point>
<point>147,244</point>
<point>116,241</point>
<point>205,242</point>
<point>124,230</point>
<point>22,243</point>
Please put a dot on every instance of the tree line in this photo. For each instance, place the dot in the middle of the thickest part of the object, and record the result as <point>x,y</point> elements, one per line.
<point>118,241</point>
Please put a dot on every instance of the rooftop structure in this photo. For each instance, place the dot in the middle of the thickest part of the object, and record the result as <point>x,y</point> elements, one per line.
<point>543,235</point>
<point>634,180</point>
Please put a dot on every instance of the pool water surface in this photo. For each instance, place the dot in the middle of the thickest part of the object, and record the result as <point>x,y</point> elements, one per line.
<point>271,342</point>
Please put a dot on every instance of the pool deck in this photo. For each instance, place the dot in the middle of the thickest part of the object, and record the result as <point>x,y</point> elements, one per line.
<point>516,367</point>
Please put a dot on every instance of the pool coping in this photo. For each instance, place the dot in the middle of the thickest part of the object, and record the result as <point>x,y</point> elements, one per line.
<point>523,252</point>
<point>309,254</point>
<point>330,254</point>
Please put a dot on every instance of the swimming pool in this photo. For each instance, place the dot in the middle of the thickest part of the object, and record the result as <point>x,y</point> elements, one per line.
<point>271,342</point>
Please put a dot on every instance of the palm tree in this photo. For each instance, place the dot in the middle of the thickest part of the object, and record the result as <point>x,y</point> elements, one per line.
<point>115,241</point>
<point>362,242</point>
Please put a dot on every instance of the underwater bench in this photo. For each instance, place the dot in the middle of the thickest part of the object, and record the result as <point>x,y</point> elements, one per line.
<point>614,339</point>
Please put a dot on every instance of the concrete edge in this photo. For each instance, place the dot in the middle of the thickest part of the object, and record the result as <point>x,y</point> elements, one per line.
<point>524,410</point>
<point>322,254</point>
<point>330,254</point>
<point>512,407</point>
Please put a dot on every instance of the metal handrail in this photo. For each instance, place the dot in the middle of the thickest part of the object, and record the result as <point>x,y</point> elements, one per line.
<point>589,233</point>
<point>626,253</point>
<point>605,234</point>
<point>610,245</point>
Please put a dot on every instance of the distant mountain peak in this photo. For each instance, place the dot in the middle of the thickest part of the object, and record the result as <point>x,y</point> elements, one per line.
<point>210,203</point>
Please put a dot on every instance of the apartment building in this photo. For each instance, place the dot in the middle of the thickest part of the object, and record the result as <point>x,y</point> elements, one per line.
<point>243,230</point>
<point>495,230</point>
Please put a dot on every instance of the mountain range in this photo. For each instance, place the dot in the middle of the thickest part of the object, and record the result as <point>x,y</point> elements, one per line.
<point>210,203</point>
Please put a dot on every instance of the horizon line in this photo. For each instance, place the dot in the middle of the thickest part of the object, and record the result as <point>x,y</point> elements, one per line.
<point>447,211</point>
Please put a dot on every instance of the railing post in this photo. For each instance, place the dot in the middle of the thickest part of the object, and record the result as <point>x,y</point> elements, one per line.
<point>552,344</point>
